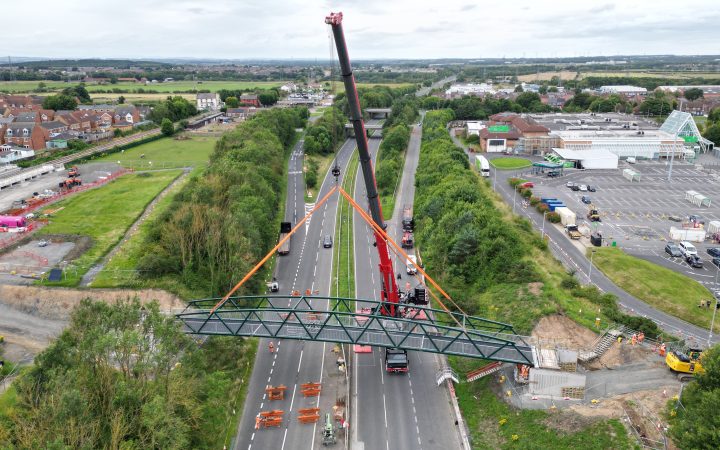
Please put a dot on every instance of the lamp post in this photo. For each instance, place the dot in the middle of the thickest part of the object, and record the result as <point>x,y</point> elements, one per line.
<point>494,178</point>
<point>542,236</point>
<point>514,195</point>
<point>592,253</point>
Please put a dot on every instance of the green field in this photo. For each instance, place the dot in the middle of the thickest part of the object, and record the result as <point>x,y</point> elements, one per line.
<point>175,86</point>
<point>510,163</point>
<point>166,153</point>
<point>662,288</point>
<point>104,214</point>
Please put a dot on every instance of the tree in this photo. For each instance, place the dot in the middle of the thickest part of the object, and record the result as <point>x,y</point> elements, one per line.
<point>121,100</point>
<point>712,133</point>
<point>167,127</point>
<point>527,98</point>
<point>60,101</point>
<point>696,425</point>
<point>519,88</point>
<point>231,102</point>
<point>714,115</point>
<point>656,106</point>
<point>693,94</point>
<point>268,98</point>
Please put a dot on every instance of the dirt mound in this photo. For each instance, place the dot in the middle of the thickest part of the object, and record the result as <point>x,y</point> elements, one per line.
<point>57,303</point>
<point>559,330</point>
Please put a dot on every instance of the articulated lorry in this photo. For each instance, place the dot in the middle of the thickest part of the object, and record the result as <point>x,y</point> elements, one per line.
<point>408,222</point>
<point>285,228</point>
<point>396,360</point>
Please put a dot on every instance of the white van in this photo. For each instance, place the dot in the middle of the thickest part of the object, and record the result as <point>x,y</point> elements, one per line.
<point>410,264</point>
<point>687,248</point>
<point>631,160</point>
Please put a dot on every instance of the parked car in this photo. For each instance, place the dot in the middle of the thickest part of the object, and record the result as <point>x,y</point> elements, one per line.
<point>585,199</point>
<point>675,218</point>
<point>687,248</point>
<point>575,187</point>
<point>583,187</point>
<point>696,219</point>
<point>591,188</point>
<point>43,243</point>
<point>553,174</point>
<point>716,261</point>
<point>694,261</point>
<point>527,184</point>
<point>327,241</point>
<point>569,184</point>
<point>673,250</point>
<point>714,252</point>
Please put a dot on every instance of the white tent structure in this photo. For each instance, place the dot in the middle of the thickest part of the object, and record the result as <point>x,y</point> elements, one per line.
<point>592,158</point>
<point>681,124</point>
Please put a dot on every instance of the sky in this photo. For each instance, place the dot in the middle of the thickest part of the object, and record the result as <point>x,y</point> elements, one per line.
<point>374,29</point>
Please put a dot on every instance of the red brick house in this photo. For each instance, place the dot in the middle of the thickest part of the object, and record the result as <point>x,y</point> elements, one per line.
<point>25,134</point>
<point>249,100</point>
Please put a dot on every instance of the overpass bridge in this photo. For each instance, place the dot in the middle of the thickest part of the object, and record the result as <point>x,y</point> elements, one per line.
<point>378,113</point>
<point>301,317</point>
<point>375,128</point>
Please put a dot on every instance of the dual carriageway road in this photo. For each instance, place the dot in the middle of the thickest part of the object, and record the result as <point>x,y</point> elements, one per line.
<point>388,411</point>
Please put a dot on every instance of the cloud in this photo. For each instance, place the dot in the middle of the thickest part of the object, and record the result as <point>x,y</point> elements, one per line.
<point>601,8</point>
<point>467,7</point>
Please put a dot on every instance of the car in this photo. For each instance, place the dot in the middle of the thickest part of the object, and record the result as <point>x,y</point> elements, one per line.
<point>716,261</point>
<point>327,241</point>
<point>575,187</point>
<point>714,252</point>
<point>694,261</point>
<point>583,187</point>
<point>569,184</point>
<point>527,184</point>
<point>687,248</point>
<point>673,250</point>
<point>591,188</point>
<point>675,218</point>
<point>696,219</point>
<point>553,174</point>
<point>585,199</point>
<point>43,243</point>
<point>274,286</point>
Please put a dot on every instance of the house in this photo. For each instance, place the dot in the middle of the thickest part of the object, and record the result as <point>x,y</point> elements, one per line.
<point>46,115</point>
<point>249,100</point>
<point>288,87</point>
<point>242,113</point>
<point>54,127</point>
<point>125,115</point>
<point>28,116</point>
<point>473,127</point>
<point>25,134</point>
<point>505,130</point>
<point>208,101</point>
<point>11,153</point>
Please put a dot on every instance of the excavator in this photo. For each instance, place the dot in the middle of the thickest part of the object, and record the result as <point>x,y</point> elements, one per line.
<point>389,295</point>
<point>685,363</point>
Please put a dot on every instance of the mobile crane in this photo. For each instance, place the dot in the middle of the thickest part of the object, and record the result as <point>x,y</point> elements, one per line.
<point>390,297</point>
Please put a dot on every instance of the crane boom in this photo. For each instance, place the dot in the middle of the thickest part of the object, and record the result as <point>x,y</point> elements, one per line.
<point>390,295</point>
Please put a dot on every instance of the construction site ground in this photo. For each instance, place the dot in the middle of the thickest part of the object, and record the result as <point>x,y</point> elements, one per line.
<point>32,316</point>
<point>629,382</point>
<point>89,173</point>
<point>22,264</point>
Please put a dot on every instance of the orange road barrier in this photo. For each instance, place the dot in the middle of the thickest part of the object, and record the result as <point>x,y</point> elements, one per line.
<point>272,422</point>
<point>276,392</point>
<point>274,249</point>
<point>273,413</point>
<point>308,415</point>
<point>310,389</point>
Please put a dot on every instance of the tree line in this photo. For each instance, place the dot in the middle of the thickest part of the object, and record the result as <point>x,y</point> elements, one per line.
<point>125,376</point>
<point>224,221</point>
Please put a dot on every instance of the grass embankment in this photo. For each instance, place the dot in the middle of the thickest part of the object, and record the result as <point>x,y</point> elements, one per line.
<point>658,286</point>
<point>344,249</point>
<point>165,153</point>
<point>495,265</point>
<point>104,214</point>
<point>319,164</point>
<point>510,163</point>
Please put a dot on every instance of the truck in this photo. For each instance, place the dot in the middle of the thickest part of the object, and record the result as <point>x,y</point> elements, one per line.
<point>396,360</point>
<point>593,214</point>
<point>411,265</point>
<point>408,223</point>
<point>482,165</point>
<point>285,228</point>
<point>567,216</point>
<point>73,172</point>
<point>573,232</point>
<point>407,239</point>
<point>12,221</point>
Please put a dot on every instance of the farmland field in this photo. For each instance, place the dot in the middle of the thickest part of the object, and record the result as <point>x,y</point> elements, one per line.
<point>570,75</point>
<point>175,86</point>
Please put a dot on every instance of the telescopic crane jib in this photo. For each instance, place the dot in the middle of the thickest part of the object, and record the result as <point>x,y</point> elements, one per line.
<point>390,296</point>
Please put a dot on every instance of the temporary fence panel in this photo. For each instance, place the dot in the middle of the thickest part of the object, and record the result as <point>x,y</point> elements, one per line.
<point>714,226</point>
<point>687,234</point>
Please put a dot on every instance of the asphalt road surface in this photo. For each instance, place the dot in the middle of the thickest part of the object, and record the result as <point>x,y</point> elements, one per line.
<point>392,411</point>
<point>307,266</point>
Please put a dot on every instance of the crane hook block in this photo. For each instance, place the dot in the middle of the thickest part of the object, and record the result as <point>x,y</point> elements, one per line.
<point>334,18</point>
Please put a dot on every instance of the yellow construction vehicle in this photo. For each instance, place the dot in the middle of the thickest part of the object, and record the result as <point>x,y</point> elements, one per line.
<point>685,363</point>
<point>593,214</point>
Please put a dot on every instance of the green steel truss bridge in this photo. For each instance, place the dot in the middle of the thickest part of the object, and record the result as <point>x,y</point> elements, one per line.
<point>341,320</point>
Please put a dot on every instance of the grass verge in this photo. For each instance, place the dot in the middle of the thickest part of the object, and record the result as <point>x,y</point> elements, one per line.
<point>510,163</point>
<point>104,214</point>
<point>658,286</point>
<point>343,260</point>
<point>165,152</point>
<point>323,164</point>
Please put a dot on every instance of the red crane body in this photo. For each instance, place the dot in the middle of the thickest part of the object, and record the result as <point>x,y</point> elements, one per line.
<point>390,294</point>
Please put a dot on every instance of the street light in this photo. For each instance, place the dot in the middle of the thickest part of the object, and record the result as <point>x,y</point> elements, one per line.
<point>592,253</point>
<point>514,195</point>
<point>542,236</point>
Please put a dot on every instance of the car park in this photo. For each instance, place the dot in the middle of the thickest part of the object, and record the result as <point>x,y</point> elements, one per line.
<point>687,248</point>
<point>694,261</point>
<point>714,252</point>
<point>585,199</point>
<point>327,241</point>
<point>673,250</point>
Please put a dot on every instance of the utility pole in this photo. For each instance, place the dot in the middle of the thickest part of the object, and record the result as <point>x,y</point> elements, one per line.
<point>542,236</point>
<point>592,253</point>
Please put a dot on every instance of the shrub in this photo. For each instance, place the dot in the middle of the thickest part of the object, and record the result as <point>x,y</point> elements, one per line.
<point>534,201</point>
<point>542,207</point>
<point>515,181</point>
<point>526,193</point>
<point>553,217</point>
